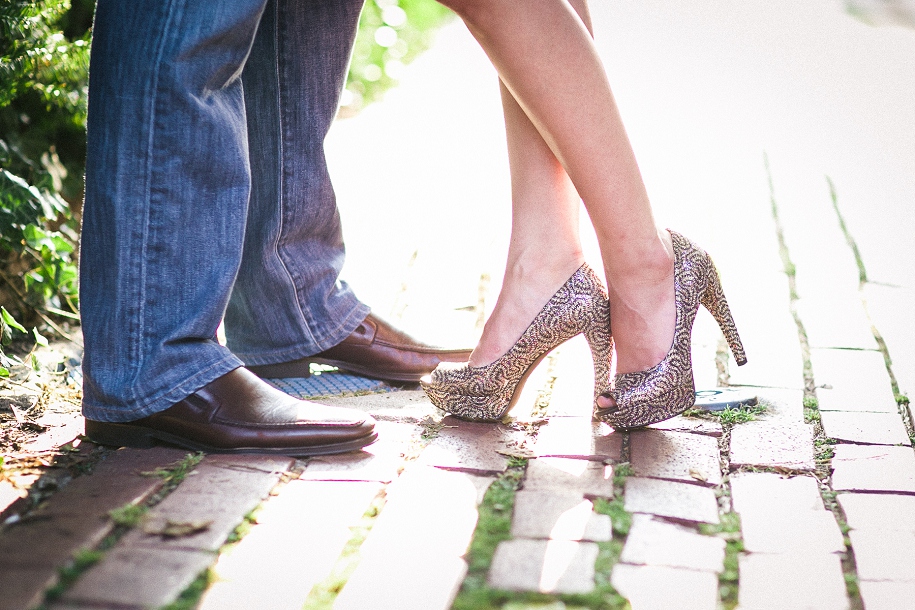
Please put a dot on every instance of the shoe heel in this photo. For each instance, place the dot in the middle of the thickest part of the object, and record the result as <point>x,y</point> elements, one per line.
<point>118,435</point>
<point>714,301</point>
<point>600,340</point>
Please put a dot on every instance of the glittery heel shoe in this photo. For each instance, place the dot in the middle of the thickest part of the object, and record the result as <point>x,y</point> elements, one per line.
<point>487,392</point>
<point>667,389</point>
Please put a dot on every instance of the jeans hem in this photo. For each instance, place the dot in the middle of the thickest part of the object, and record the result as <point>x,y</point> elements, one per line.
<point>166,399</point>
<point>297,352</point>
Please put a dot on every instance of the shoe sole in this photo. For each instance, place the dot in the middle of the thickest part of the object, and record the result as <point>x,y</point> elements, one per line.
<point>137,437</point>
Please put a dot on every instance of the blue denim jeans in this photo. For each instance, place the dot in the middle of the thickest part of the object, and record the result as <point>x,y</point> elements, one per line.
<point>207,194</point>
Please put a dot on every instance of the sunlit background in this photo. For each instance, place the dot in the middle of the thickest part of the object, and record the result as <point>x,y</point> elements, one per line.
<point>707,91</point>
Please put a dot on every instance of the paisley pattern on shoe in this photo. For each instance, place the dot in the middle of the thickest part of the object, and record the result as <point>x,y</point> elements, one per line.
<point>668,389</point>
<point>487,392</point>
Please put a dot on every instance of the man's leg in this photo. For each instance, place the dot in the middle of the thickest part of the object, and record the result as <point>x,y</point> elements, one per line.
<point>289,308</point>
<point>167,189</point>
<point>288,302</point>
<point>167,185</point>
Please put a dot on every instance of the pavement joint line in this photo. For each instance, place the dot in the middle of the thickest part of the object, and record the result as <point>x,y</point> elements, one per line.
<point>823,451</point>
<point>791,274</point>
<point>862,282</point>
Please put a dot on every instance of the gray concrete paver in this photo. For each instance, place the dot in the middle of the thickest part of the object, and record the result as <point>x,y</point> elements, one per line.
<point>780,531</point>
<point>558,515</point>
<point>833,322</point>
<point>878,595</point>
<point>412,558</point>
<point>578,437</point>
<point>665,588</point>
<point>671,499</point>
<point>884,555</point>
<point>675,455</point>
<point>867,428</point>
<point>591,479</point>
<point>858,381</point>
<point>469,447</point>
<point>773,444</point>
<point>807,581</point>
<point>873,468</point>
<point>658,543</point>
<point>547,566</point>
<point>762,491</point>
<point>878,512</point>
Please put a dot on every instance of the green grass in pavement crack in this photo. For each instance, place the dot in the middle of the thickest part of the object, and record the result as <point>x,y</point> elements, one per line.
<point>811,410</point>
<point>128,515</point>
<point>823,446</point>
<point>728,580</point>
<point>730,415</point>
<point>862,283</point>
<point>791,274</point>
<point>190,597</point>
<point>823,452</point>
<point>324,594</point>
<point>494,526</point>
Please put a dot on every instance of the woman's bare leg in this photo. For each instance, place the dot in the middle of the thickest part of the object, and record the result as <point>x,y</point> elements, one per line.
<point>547,60</point>
<point>545,249</point>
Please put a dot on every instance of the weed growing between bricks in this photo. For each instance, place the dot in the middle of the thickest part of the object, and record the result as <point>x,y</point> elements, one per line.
<point>824,450</point>
<point>494,526</point>
<point>190,597</point>
<point>729,526</point>
<point>824,446</point>
<point>324,593</point>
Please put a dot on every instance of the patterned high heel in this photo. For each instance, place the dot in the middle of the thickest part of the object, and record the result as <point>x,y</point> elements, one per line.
<point>487,392</point>
<point>667,389</point>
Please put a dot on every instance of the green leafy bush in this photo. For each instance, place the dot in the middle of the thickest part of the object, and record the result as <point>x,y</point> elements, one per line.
<point>392,33</point>
<point>44,64</point>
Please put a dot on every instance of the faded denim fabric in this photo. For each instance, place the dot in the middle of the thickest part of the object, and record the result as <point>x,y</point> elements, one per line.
<point>207,194</point>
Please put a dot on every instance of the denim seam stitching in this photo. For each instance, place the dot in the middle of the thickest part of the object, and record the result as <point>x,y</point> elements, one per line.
<point>281,191</point>
<point>149,161</point>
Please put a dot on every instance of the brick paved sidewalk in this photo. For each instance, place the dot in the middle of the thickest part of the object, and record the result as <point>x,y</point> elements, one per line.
<point>804,502</point>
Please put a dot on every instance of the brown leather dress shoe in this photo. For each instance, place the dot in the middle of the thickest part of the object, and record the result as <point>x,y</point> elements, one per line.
<point>240,413</point>
<point>375,349</point>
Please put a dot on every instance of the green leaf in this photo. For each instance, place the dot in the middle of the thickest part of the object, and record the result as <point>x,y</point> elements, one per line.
<point>4,372</point>
<point>36,366</point>
<point>39,339</point>
<point>11,321</point>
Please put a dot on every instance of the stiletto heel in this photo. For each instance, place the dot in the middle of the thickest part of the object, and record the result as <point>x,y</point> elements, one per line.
<point>487,392</point>
<point>667,389</point>
<point>713,300</point>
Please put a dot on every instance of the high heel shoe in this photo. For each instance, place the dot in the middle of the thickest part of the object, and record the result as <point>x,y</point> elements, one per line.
<point>487,392</point>
<point>667,389</point>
